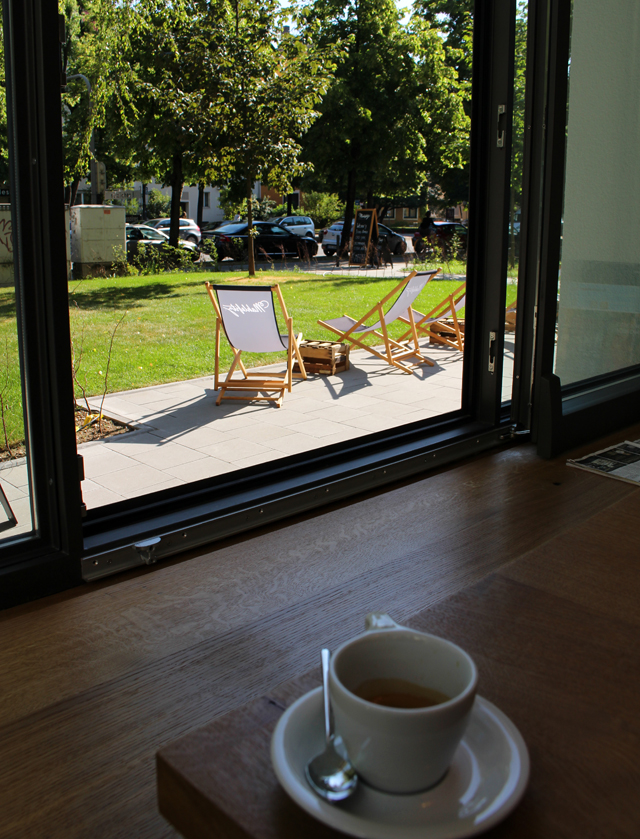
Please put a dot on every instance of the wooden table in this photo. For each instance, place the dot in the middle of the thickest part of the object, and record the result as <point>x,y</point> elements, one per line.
<point>556,636</point>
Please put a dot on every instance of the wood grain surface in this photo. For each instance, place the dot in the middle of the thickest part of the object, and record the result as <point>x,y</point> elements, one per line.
<point>563,665</point>
<point>96,680</point>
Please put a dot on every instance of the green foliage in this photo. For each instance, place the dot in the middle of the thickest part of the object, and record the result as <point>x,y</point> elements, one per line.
<point>153,259</point>
<point>261,210</point>
<point>394,114</point>
<point>121,267</point>
<point>208,246</point>
<point>158,204</point>
<point>92,34</point>
<point>4,137</point>
<point>323,207</point>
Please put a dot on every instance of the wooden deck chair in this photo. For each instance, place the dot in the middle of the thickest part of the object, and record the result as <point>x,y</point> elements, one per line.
<point>441,324</point>
<point>510,316</point>
<point>247,315</point>
<point>396,353</point>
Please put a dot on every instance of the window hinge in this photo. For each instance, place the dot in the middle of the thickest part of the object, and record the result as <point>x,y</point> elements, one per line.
<point>492,352</point>
<point>502,110</point>
<point>513,432</point>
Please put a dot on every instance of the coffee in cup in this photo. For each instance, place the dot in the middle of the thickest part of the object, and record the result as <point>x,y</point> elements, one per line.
<point>401,701</point>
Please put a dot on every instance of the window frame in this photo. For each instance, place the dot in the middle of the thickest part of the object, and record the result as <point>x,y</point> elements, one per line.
<point>562,416</point>
<point>108,538</point>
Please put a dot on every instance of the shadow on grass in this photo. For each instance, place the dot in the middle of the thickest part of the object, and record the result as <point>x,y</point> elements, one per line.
<point>122,297</point>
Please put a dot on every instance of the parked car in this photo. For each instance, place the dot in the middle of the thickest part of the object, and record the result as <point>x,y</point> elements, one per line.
<point>207,227</point>
<point>189,230</point>
<point>440,233</point>
<point>300,225</point>
<point>272,240</point>
<point>136,233</point>
<point>330,238</point>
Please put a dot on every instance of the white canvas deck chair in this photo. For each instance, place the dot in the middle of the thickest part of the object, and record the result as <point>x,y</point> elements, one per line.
<point>441,324</point>
<point>396,353</point>
<point>247,315</point>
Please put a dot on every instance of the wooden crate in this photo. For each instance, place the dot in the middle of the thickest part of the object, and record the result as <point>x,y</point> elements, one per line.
<point>446,332</point>
<point>325,357</point>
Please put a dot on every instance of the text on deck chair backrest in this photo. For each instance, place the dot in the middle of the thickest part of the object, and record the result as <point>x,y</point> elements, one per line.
<point>249,318</point>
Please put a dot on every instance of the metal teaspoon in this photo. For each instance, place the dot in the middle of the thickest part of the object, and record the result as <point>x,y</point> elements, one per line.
<point>330,773</point>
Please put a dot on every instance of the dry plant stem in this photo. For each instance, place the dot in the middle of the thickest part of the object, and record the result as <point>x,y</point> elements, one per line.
<point>4,426</point>
<point>75,365</point>
<point>3,407</point>
<point>106,374</point>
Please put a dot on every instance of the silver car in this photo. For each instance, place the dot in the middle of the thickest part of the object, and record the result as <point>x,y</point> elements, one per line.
<point>189,230</point>
<point>299,225</point>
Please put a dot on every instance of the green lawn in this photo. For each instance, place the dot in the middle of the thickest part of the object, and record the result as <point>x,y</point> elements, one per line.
<point>167,333</point>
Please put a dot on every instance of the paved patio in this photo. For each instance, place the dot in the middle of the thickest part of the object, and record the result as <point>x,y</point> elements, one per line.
<point>181,436</point>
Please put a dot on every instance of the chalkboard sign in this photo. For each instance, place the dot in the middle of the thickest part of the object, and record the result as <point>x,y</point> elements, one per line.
<point>365,237</point>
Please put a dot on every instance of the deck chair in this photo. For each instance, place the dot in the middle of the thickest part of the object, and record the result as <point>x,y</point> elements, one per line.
<point>396,353</point>
<point>247,315</point>
<point>441,324</point>
<point>510,315</point>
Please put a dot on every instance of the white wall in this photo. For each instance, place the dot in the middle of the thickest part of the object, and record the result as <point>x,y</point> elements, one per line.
<point>599,305</point>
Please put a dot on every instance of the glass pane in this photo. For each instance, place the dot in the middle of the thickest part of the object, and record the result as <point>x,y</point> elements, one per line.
<point>16,518</point>
<point>599,288</point>
<point>144,341</point>
<point>517,159</point>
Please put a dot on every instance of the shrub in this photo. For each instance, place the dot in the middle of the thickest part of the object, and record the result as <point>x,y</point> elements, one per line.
<point>158,205</point>
<point>323,207</point>
<point>150,259</point>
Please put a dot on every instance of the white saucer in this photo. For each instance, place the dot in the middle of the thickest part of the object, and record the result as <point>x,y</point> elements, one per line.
<point>488,776</point>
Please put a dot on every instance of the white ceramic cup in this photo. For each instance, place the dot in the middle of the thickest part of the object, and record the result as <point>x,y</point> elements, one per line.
<point>401,750</point>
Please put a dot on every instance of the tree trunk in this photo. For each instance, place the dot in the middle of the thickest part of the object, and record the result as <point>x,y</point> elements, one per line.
<point>348,213</point>
<point>200,204</point>
<point>177,183</point>
<point>252,263</point>
<point>144,202</point>
<point>73,192</point>
<point>370,200</point>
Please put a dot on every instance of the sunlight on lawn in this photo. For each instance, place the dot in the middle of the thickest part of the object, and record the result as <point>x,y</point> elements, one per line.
<point>167,333</point>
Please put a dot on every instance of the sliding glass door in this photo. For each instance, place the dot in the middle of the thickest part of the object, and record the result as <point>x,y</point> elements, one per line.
<point>196,510</point>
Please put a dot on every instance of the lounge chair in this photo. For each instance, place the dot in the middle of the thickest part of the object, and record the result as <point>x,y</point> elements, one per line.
<point>396,353</point>
<point>247,315</point>
<point>441,324</point>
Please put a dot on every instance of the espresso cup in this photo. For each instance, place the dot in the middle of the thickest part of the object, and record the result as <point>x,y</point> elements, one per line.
<point>401,749</point>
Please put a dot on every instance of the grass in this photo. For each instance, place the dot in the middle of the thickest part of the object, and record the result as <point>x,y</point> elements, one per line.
<point>166,326</point>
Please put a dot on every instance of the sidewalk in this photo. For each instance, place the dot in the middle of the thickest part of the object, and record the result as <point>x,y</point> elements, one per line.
<point>182,436</point>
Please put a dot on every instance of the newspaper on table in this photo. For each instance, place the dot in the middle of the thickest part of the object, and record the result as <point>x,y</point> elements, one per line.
<point>621,462</point>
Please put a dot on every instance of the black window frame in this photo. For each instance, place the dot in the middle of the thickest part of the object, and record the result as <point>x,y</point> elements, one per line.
<point>105,540</point>
<point>562,416</point>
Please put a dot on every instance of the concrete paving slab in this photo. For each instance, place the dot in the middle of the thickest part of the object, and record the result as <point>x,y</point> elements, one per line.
<point>235,450</point>
<point>168,454</point>
<point>191,439</point>
<point>99,460</point>
<point>198,470</point>
<point>138,476</point>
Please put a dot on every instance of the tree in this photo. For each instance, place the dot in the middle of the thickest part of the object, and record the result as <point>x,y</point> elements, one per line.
<point>91,49</point>
<point>270,83</point>
<point>170,79</point>
<point>453,19</point>
<point>393,116</point>
<point>517,136</point>
<point>4,137</point>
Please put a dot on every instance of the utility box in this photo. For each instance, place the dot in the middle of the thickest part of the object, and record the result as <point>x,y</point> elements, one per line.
<point>97,237</point>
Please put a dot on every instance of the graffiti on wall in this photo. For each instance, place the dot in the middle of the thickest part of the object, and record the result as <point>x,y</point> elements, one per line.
<point>6,240</point>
